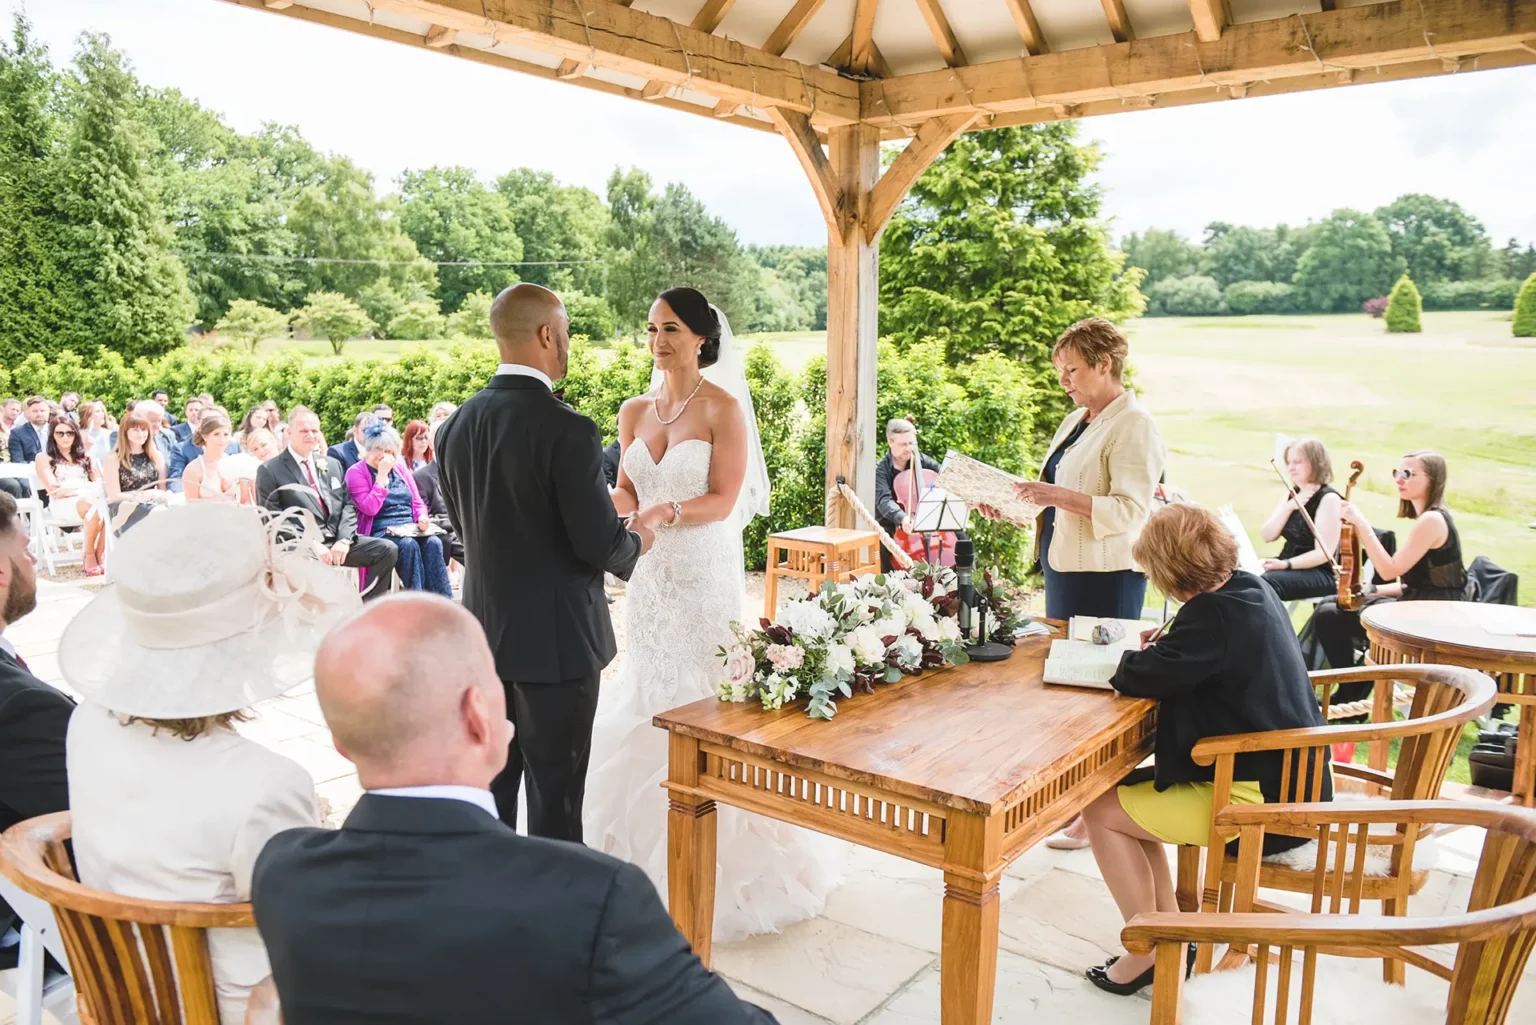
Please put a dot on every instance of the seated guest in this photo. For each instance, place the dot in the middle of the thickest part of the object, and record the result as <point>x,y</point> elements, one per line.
<point>33,716</point>
<point>901,443</point>
<point>255,420</point>
<point>442,411</point>
<point>30,437</point>
<point>1228,663</point>
<point>1427,566</point>
<point>194,411</point>
<point>98,435</point>
<point>262,444</point>
<point>163,397</point>
<point>204,480</point>
<point>425,908</point>
<point>160,435</point>
<point>275,422</point>
<point>417,445</point>
<point>73,481</point>
<point>184,454</point>
<point>349,451</point>
<point>430,488</point>
<point>1304,569</point>
<point>169,802</point>
<point>385,495</point>
<point>135,474</point>
<point>303,478</point>
<point>384,415</point>
<point>69,405</point>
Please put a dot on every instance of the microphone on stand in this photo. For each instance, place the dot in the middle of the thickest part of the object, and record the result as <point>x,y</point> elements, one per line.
<point>965,568</point>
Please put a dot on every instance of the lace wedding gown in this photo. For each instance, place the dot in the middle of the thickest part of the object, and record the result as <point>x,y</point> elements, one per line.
<point>683,596</point>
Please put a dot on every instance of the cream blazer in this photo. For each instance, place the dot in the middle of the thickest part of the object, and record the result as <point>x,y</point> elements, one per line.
<point>1117,461</point>
<point>167,819</point>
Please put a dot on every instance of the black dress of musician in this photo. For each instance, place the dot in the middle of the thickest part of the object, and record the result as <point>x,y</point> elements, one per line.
<point>1427,566</point>
<point>1304,568</point>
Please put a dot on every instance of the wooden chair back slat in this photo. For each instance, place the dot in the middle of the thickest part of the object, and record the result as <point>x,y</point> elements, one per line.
<point>135,962</point>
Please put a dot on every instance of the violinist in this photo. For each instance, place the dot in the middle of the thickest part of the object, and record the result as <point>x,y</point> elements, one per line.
<point>1304,569</point>
<point>1426,567</point>
<point>901,443</point>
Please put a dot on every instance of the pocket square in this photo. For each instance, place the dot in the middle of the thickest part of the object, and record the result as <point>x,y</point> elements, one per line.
<point>335,483</point>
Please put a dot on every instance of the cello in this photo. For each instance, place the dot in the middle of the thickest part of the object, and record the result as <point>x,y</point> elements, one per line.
<point>1351,593</point>
<point>935,547</point>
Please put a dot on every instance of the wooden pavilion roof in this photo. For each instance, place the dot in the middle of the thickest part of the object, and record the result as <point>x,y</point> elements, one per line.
<point>896,64</point>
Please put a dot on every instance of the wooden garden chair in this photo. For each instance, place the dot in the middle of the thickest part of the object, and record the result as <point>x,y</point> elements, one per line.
<point>1445,699</point>
<point>1490,942</point>
<point>135,962</point>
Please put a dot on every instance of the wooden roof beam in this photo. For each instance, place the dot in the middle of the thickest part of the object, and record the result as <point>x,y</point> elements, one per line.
<point>796,128</point>
<point>1210,16</point>
<point>943,35</point>
<point>842,57</point>
<point>932,138</point>
<point>1119,21</point>
<point>793,24</point>
<point>617,38</point>
<point>1029,28</point>
<point>861,41</point>
<point>710,15</point>
<point>1349,38</point>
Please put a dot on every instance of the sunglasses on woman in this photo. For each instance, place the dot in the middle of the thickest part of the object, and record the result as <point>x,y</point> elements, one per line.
<point>64,434</point>
<point>1402,474</point>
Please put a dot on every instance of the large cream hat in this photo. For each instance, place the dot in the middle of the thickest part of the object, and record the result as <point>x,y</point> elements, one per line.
<point>211,609</point>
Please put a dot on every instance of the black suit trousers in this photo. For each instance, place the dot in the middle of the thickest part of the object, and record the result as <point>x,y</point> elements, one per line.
<point>551,745</point>
<point>377,555</point>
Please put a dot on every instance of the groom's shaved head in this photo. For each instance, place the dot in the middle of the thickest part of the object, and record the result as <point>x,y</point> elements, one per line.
<point>520,311</point>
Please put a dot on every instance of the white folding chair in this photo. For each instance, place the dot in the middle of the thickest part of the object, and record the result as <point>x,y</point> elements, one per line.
<point>39,934</point>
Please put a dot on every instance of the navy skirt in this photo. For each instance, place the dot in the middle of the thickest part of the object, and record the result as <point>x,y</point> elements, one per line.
<point>1114,595</point>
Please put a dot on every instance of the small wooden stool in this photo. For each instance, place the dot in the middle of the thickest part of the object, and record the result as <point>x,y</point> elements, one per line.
<point>815,554</point>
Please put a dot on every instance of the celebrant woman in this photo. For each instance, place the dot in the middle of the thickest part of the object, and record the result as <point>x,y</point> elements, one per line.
<point>1095,491</point>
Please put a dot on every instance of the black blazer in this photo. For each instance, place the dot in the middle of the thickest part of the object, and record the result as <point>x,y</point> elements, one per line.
<point>887,511</point>
<point>24,444</point>
<point>346,454</point>
<point>522,476</point>
<point>422,910</point>
<point>1229,663</point>
<point>33,721</point>
<point>280,484</point>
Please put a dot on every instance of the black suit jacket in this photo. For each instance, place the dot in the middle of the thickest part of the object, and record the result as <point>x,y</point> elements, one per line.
<point>33,721</point>
<point>522,477</point>
<point>24,444</point>
<point>346,454</point>
<point>422,910</point>
<point>280,484</point>
<point>887,511</point>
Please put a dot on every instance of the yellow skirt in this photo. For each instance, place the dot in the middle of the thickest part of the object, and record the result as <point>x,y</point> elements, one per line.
<point>1182,813</point>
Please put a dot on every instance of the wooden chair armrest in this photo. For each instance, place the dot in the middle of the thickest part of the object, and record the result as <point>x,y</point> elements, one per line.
<point>1298,929</point>
<point>1365,674</point>
<point>1510,818</point>
<point>1363,772</point>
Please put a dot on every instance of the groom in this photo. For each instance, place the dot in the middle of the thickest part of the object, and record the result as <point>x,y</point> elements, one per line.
<point>522,476</point>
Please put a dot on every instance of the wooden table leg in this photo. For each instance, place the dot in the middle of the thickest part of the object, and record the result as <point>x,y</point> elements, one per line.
<point>690,851</point>
<point>968,954</point>
<point>1524,784</point>
<point>771,582</point>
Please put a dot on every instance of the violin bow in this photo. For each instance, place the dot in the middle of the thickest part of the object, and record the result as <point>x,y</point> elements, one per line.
<point>1290,489</point>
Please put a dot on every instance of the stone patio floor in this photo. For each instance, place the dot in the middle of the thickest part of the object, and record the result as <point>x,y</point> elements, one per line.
<point>872,957</point>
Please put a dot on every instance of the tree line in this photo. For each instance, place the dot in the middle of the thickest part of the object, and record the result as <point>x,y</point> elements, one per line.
<point>1334,265</point>
<point>131,215</point>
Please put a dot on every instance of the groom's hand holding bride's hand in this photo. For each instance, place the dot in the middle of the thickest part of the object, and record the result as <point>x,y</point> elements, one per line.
<point>646,535</point>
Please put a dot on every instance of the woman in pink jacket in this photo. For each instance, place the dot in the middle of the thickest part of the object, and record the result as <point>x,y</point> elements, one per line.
<point>386,497</point>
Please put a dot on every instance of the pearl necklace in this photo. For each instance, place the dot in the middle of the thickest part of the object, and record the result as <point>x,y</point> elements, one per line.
<point>656,404</point>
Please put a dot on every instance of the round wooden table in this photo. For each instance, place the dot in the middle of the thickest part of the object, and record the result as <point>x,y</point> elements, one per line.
<point>1497,639</point>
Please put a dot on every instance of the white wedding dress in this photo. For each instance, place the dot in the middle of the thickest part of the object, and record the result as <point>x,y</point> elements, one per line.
<point>683,596</point>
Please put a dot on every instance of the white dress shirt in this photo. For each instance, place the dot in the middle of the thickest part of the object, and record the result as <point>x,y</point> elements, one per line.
<point>446,792</point>
<point>6,646</point>
<point>523,370</point>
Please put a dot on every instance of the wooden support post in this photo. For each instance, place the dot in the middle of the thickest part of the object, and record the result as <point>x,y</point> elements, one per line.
<point>852,314</point>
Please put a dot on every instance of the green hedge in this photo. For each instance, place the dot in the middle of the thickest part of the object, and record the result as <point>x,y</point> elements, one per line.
<point>1250,297</point>
<point>982,407</point>
<point>1486,294</point>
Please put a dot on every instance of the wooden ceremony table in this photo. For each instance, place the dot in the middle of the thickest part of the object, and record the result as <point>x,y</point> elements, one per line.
<point>962,769</point>
<point>1461,633</point>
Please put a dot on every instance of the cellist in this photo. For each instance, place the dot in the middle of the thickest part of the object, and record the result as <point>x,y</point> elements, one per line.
<point>900,443</point>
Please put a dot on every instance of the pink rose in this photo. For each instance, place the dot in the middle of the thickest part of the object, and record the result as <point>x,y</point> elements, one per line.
<point>786,657</point>
<point>740,665</point>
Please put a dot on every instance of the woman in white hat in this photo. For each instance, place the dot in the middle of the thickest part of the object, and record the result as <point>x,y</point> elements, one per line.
<point>207,615</point>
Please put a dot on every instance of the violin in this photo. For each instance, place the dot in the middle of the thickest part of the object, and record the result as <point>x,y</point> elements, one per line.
<point>934,547</point>
<point>1351,593</point>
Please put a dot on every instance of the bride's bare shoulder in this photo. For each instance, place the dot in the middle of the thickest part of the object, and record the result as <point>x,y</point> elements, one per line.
<point>631,408</point>
<point>718,401</point>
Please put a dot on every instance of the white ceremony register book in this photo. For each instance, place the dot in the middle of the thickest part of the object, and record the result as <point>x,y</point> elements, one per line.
<point>1078,662</point>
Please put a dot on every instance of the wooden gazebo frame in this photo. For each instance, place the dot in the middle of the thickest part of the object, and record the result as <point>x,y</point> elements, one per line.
<point>836,77</point>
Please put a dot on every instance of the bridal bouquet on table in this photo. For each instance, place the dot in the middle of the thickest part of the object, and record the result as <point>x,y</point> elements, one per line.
<point>847,638</point>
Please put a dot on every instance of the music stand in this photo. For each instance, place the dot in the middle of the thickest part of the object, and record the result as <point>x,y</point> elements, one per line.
<point>938,511</point>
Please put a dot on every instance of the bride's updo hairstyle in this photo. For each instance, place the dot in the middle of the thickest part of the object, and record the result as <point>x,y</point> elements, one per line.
<point>694,310</point>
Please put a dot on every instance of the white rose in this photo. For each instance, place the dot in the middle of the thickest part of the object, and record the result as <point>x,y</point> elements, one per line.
<point>926,627</point>
<point>808,621</point>
<point>916,605</point>
<point>839,658</point>
<point>893,625</point>
<point>867,646</point>
<point>949,629</point>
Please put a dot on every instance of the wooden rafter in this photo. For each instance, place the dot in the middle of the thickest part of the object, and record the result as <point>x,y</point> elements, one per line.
<point>796,128</point>
<point>943,35</point>
<point>793,24</point>
<point>1353,38</point>
<point>1029,28</point>
<point>861,41</point>
<point>1119,22</point>
<point>616,38</point>
<point>1210,16</point>
<point>842,57</point>
<point>711,15</point>
<point>932,138</point>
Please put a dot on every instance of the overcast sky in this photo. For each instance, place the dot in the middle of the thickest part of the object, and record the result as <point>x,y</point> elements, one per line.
<point>1291,158</point>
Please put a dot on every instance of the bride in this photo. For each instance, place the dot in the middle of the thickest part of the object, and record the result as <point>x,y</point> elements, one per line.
<point>691,468</point>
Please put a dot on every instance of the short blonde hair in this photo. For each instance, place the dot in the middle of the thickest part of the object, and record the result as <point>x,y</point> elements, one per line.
<point>1095,340</point>
<point>1316,456</point>
<point>1185,550</point>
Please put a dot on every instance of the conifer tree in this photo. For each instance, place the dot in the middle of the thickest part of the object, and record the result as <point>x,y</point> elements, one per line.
<point>1525,309</point>
<point>1404,306</point>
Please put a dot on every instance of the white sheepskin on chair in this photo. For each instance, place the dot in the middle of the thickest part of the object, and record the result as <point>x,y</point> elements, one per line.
<point>1341,996</point>
<point>1378,857</point>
